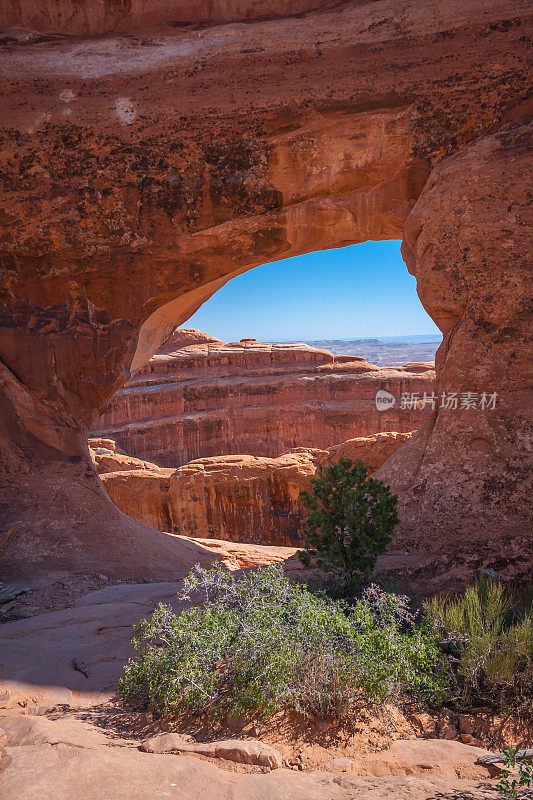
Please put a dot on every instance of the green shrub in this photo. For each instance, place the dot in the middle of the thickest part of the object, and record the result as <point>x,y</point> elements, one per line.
<point>261,642</point>
<point>351,521</point>
<point>520,786</point>
<point>492,644</point>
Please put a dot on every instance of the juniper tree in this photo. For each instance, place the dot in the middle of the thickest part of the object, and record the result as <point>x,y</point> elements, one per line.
<point>351,521</point>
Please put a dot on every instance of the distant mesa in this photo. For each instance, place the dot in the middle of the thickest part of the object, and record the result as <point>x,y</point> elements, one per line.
<point>199,397</point>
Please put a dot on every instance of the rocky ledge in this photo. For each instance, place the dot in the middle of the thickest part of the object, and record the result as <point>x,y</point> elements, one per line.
<point>239,498</point>
<point>199,397</point>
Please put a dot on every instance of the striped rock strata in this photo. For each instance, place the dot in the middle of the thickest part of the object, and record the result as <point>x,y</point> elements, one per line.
<point>199,397</point>
<point>240,498</point>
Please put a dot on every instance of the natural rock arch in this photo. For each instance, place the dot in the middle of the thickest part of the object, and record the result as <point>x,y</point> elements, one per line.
<point>141,174</point>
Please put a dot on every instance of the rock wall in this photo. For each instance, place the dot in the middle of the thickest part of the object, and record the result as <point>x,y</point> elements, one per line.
<point>467,243</point>
<point>140,173</point>
<point>199,397</point>
<point>240,498</point>
<point>75,17</point>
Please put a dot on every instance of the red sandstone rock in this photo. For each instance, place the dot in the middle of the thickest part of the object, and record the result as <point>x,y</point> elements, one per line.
<point>425,723</point>
<point>373,451</point>
<point>140,173</point>
<point>142,494</point>
<point>68,757</point>
<point>107,457</point>
<point>467,738</point>
<point>241,498</point>
<point>184,337</point>
<point>241,555</point>
<point>448,731</point>
<point>86,16</point>
<point>242,751</point>
<point>238,498</point>
<point>199,397</point>
<point>465,242</point>
<point>466,723</point>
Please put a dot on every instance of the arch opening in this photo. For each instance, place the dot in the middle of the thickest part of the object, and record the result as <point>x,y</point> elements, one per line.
<point>167,202</point>
<point>287,371</point>
<point>358,301</point>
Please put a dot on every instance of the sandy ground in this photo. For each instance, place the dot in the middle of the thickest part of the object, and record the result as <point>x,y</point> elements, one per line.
<point>66,736</point>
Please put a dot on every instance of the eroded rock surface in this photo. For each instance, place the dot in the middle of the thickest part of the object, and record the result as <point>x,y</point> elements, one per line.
<point>75,17</point>
<point>142,172</point>
<point>239,498</point>
<point>199,397</point>
<point>466,242</point>
<point>42,772</point>
<point>242,751</point>
<point>61,737</point>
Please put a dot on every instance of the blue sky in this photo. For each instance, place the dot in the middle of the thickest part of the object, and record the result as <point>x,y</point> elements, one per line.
<point>352,292</point>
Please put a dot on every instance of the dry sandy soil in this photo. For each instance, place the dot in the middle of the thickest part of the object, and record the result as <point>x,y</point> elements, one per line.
<point>65,736</point>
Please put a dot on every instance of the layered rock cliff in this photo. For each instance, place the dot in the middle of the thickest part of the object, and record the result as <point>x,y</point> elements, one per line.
<point>240,498</point>
<point>76,17</point>
<point>200,397</point>
<point>142,172</point>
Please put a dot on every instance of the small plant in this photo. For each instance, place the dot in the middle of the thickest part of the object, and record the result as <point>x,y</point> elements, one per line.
<point>490,642</point>
<point>388,608</point>
<point>262,642</point>
<point>351,521</point>
<point>520,787</point>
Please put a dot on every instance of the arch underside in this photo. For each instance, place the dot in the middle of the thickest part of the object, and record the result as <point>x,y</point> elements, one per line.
<point>137,182</point>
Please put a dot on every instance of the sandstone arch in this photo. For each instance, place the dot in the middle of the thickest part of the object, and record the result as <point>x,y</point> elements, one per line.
<point>142,173</point>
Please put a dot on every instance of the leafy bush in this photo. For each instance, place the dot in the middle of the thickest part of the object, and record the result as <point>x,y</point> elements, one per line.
<point>388,609</point>
<point>351,521</point>
<point>490,642</point>
<point>262,642</point>
<point>521,786</point>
